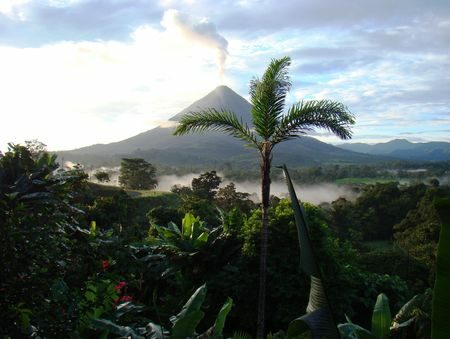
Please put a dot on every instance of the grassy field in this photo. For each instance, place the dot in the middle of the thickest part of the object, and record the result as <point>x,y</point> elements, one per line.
<point>365,181</point>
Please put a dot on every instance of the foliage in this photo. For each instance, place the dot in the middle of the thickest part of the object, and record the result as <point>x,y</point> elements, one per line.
<point>375,212</point>
<point>227,198</point>
<point>441,294</point>
<point>381,323</point>
<point>43,242</point>
<point>184,324</point>
<point>206,185</point>
<point>102,176</point>
<point>418,232</point>
<point>136,173</point>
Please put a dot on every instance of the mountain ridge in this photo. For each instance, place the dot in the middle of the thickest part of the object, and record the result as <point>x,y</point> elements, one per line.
<point>404,149</point>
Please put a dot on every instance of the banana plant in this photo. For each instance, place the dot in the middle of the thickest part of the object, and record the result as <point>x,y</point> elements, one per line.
<point>318,318</point>
<point>382,322</point>
<point>192,236</point>
<point>440,325</point>
<point>184,324</point>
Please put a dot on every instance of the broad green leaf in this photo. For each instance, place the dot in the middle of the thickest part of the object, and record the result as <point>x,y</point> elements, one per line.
<point>381,317</point>
<point>173,227</point>
<point>185,326</point>
<point>197,229</point>
<point>193,304</point>
<point>319,318</point>
<point>187,223</point>
<point>440,324</point>
<point>201,240</point>
<point>307,260</point>
<point>221,317</point>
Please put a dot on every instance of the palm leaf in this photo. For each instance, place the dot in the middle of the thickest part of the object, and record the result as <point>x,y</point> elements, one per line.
<point>212,119</point>
<point>306,115</point>
<point>268,97</point>
<point>440,326</point>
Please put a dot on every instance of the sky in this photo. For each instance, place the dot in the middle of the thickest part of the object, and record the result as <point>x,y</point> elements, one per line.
<point>79,72</point>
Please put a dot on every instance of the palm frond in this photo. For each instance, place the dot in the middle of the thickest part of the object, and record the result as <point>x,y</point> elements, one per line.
<point>268,96</point>
<point>212,119</point>
<point>307,115</point>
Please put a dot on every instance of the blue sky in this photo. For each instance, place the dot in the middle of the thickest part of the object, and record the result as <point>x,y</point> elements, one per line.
<point>78,72</point>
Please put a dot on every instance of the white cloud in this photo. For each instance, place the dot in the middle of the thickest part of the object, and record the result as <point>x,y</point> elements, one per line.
<point>70,94</point>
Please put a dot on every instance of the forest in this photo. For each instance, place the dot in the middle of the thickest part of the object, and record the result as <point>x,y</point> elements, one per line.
<point>86,260</point>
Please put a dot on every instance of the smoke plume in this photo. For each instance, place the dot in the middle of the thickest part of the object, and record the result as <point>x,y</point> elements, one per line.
<point>203,32</point>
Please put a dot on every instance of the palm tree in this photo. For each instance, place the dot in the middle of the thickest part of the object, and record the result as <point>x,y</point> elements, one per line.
<point>271,126</point>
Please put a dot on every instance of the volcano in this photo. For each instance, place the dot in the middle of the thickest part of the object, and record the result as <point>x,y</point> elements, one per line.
<point>159,146</point>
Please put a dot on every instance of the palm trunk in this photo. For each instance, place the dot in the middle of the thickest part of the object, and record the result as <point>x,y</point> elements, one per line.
<point>265,193</point>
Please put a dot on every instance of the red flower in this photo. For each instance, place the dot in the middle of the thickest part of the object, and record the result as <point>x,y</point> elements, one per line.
<point>125,298</point>
<point>120,285</point>
<point>105,264</point>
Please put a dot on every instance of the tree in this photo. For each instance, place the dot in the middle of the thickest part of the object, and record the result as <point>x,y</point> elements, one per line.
<point>102,176</point>
<point>36,148</point>
<point>206,184</point>
<point>271,126</point>
<point>136,173</point>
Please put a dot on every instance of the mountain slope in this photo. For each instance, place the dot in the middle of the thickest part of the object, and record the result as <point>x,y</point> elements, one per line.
<point>159,146</point>
<point>403,149</point>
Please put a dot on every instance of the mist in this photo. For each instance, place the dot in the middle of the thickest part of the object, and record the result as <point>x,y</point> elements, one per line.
<point>315,194</point>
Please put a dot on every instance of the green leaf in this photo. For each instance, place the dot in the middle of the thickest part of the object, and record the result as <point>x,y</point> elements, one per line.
<point>185,326</point>
<point>319,318</point>
<point>187,224</point>
<point>201,240</point>
<point>221,317</point>
<point>193,304</point>
<point>381,317</point>
<point>440,324</point>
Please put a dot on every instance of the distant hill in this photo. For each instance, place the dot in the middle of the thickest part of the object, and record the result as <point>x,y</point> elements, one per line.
<point>159,146</point>
<point>403,149</point>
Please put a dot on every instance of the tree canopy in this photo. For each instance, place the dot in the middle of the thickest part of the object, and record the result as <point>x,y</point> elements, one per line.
<point>136,173</point>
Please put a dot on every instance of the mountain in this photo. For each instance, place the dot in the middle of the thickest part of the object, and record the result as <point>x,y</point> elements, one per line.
<point>159,146</point>
<point>403,149</point>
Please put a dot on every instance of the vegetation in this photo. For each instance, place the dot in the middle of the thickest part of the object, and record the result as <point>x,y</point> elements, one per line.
<point>81,260</point>
<point>137,173</point>
<point>270,127</point>
<point>102,176</point>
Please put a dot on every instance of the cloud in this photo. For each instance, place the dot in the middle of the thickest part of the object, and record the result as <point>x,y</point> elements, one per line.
<point>69,94</point>
<point>202,32</point>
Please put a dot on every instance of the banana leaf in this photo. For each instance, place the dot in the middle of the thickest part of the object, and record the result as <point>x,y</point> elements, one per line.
<point>221,317</point>
<point>440,324</point>
<point>319,319</point>
<point>381,317</point>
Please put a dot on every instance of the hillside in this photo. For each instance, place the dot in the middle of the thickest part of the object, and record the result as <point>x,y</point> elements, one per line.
<point>403,149</point>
